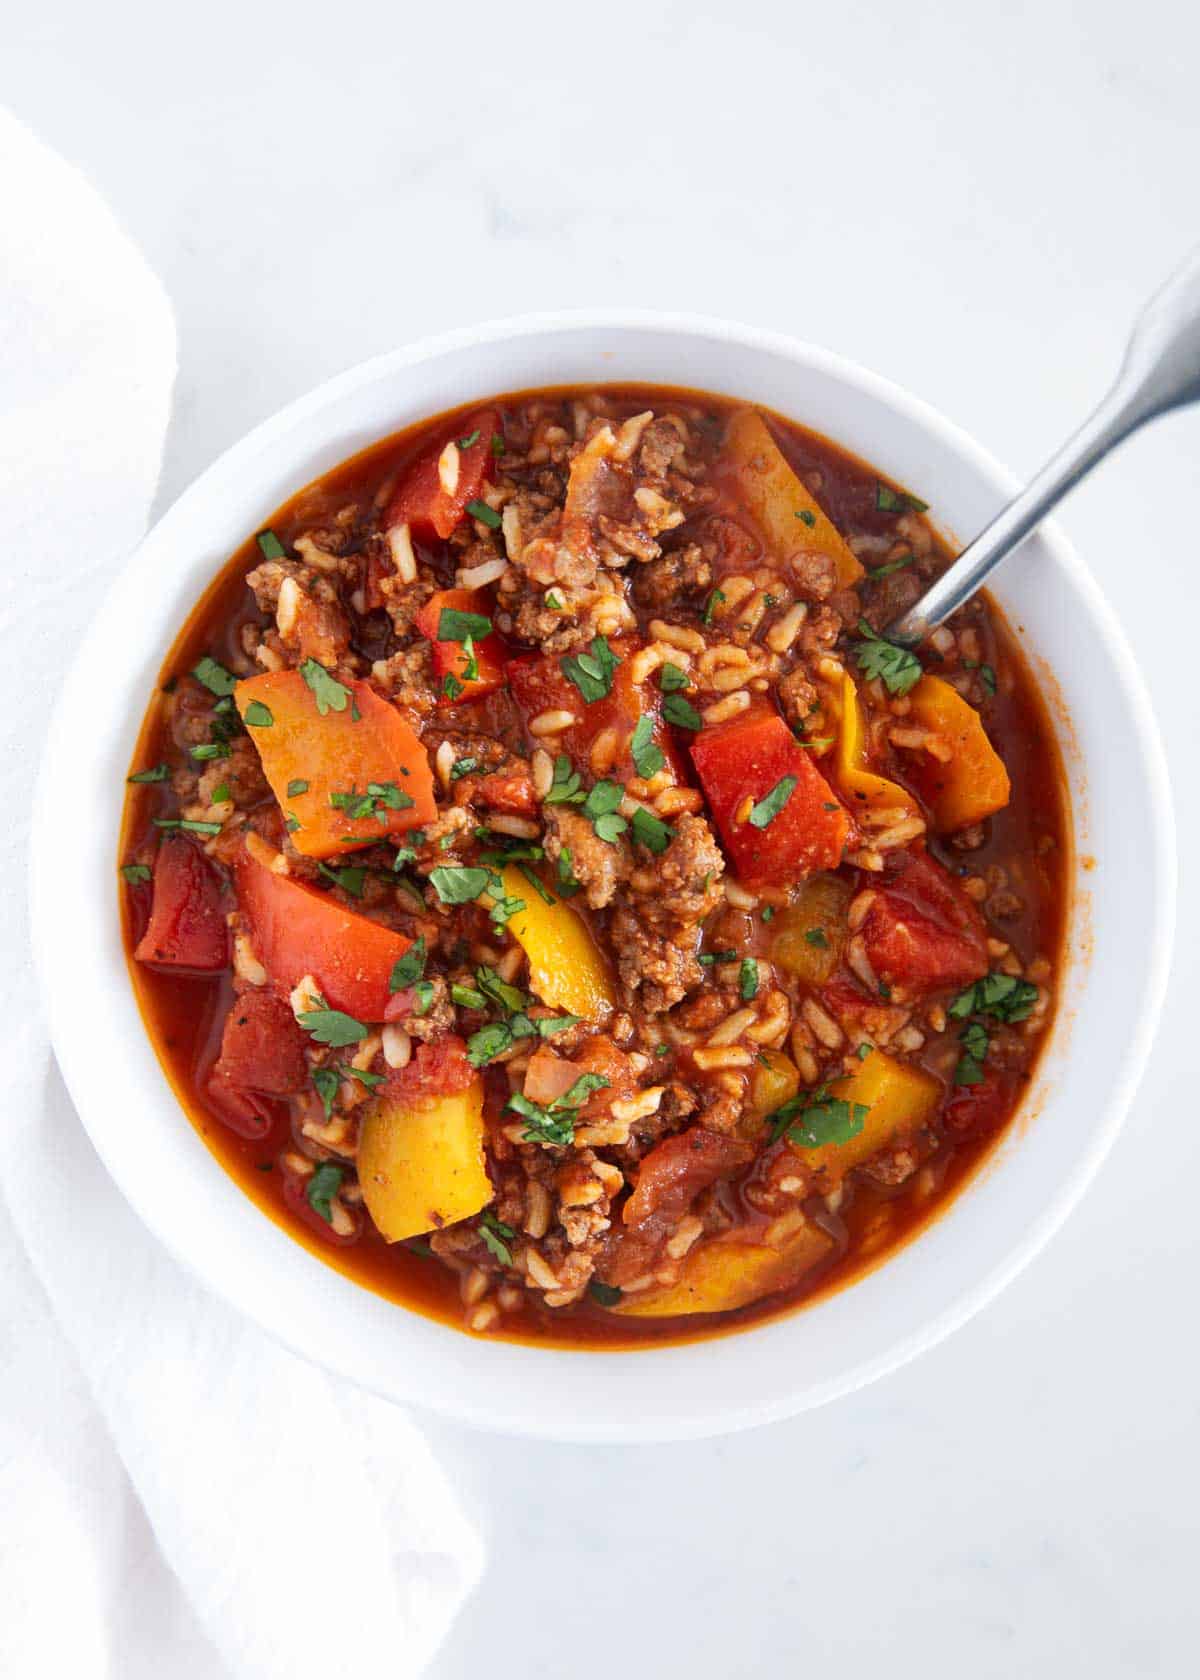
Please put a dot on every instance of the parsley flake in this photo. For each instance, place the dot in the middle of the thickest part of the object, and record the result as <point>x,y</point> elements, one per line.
<point>269,545</point>
<point>328,692</point>
<point>457,626</point>
<point>486,515</point>
<point>681,713</point>
<point>216,679</point>
<point>159,773</point>
<point>410,967</point>
<point>457,885</point>
<point>257,716</point>
<point>137,874</point>
<point>770,805</point>
<point>591,672</point>
<point>650,831</point>
<point>647,757</point>
<point>323,1185</point>
<point>496,1236</point>
<point>898,668</point>
<point>748,979</point>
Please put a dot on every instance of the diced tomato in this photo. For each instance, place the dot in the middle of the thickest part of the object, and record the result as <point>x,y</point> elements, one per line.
<point>436,1070</point>
<point>247,1113</point>
<point>975,1110</point>
<point>538,684</point>
<point>675,1171</point>
<point>922,932</point>
<point>187,928</point>
<point>308,757</point>
<point>296,931</point>
<point>263,1046</point>
<point>512,794</point>
<point>743,761</point>
<point>295,1195</point>
<point>451,659</point>
<point>432,503</point>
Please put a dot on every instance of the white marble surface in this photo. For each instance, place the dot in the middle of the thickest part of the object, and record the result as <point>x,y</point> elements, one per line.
<point>971,199</point>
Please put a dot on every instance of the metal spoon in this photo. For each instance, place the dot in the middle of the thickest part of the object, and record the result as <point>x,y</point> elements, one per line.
<point>1161,371</point>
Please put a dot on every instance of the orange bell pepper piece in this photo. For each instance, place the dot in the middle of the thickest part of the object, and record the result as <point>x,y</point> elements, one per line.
<point>973,783</point>
<point>860,787</point>
<point>322,767</point>
<point>783,508</point>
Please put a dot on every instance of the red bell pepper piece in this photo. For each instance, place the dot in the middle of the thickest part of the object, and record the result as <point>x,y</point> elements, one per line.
<point>922,932</point>
<point>296,931</point>
<point>741,763</point>
<point>975,1110</point>
<point>431,501</point>
<point>439,1069</point>
<point>451,659</point>
<point>187,928</point>
<point>538,684</point>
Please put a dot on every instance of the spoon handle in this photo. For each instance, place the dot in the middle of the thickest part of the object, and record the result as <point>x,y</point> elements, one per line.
<point>1161,371</point>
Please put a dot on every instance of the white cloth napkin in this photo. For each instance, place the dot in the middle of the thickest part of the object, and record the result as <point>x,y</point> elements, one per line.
<point>179,1496</point>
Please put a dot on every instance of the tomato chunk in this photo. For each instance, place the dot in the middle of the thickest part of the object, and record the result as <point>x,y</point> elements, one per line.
<point>451,658</point>
<point>975,1110</point>
<point>922,932</point>
<point>187,927</point>
<point>539,684</point>
<point>436,1070</point>
<point>676,1170</point>
<point>312,760</point>
<point>743,762</point>
<point>432,496</point>
<point>297,931</point>
<point>263,1046</point>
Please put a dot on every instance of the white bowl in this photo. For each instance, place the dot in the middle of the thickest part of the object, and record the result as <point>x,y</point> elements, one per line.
<point>1110,995</point>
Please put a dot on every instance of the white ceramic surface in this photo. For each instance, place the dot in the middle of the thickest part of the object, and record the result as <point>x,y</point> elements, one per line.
<point>1113,989</point>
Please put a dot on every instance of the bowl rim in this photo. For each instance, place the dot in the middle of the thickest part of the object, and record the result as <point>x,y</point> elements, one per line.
<point>460,1405</point>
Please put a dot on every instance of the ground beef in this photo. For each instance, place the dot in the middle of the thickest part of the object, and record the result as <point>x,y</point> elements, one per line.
<point>655,970</point>
<point>599,867</point>
<point>672,579</point>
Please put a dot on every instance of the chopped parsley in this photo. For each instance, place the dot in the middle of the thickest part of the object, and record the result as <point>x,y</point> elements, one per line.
<point>748,979</point>
<point>350,880</point>
<point>457,626</point>
<point>188,825</point>
<point>209,749</point>
<point>565,880</point>
<point>681,712</point>
<point>486,515</point>
<point>898,668</point>
<point>159,773</point>
<point>604,1294</point>
<point>451,687</point>
<point>462,767</point>
<point>864,1050</point>
<point>555,1123</point>
<point>988,678</point>
<point>467,997</point>
<point>323,1185</point>
<point>565,787</point>
<point>216,679</point>
<point>816,936</point>
<point>975,1043</point>
<point>496,1236</point>
<point>423,991</point>
<point>137,874</point>
<point>269,545</point>
<point>539,889</point>
<point>471,437</point>
<point>768,912</point>
<point>380,796</point>
<point>807,516</point>
<point>600,808</point>
<point>410,967</point>
<point>671,678</point>
<point>888,500</point>
<point>647,758</point>
<point>554,601</point>
<point>815,1119</point>
<point>591,672</point>
<point>488,1043</point>
<point>770,805</point>
<point>650,831</point>
<point>1002,996</point>
<point>716,599</point>
<point>326,1080</point>
<point>892,566</point>
<point>708,958</point>
<point>497,444</point>
<point>296,788</point>
<point>328,692</point>
<point>455,884</point>
<point>331,1026</point>
<point>257,716</point>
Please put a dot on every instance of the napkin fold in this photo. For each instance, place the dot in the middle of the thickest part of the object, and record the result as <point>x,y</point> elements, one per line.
<point>181,1496</point>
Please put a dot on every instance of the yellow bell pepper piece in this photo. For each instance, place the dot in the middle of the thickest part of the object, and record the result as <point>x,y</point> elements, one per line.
<point>774,1081</point>
<point>566,968</point>
<point>898,1098</point>
<point>861,788</point>
<point>726,1273</point>
<point>973,784</point>
<point>421,1163</point>
<point>783,508</point>
<point>819,910</point>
